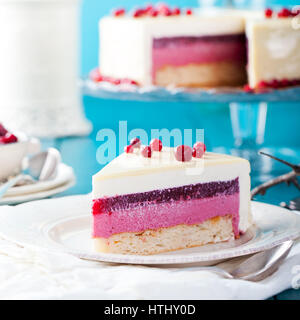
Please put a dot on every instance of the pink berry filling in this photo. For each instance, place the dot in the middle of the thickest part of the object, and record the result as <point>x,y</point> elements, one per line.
<point>190,204</point>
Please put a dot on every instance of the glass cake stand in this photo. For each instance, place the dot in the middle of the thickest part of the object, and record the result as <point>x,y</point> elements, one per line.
<point>248,112</point>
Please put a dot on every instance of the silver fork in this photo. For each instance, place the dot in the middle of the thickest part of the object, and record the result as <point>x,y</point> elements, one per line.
<point>259,266</point>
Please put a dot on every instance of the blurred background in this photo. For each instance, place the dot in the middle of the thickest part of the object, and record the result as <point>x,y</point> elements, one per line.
<point>282,124</point>
<point>282,118</point>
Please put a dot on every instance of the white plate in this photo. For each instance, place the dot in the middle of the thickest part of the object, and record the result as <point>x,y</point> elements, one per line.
<point>64,180</point>
<point>64,174</point>
<point>64,224</point>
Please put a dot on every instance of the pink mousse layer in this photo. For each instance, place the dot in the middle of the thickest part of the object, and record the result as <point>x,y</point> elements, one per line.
<point>199,51</point>
<point>168,214</point>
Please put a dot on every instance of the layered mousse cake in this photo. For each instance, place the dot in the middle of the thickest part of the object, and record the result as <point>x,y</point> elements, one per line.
<point>179,49</point>
<point>164,46</point>
<point>154,199</point>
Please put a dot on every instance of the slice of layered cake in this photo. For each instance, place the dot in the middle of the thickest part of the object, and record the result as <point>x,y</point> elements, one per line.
<point>152,199</point>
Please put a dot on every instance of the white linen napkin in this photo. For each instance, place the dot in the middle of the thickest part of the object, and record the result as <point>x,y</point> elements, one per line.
<point>27,273</point>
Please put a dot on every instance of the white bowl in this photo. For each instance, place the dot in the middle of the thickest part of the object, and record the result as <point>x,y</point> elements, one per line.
<point>13,154</point>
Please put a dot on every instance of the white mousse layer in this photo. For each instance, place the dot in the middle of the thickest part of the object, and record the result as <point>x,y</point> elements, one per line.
<point>274,50</point>
<point>131,173</point>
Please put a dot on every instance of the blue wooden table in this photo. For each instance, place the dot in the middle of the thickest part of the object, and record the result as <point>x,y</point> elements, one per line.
<point>80,152</point>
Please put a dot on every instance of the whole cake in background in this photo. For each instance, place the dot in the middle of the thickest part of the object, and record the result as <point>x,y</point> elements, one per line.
<point>154,199</point>
<point>165,46</point>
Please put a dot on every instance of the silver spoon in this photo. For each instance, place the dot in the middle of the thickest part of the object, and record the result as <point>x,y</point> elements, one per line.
<point>259,266</point>
<point>40,167</point>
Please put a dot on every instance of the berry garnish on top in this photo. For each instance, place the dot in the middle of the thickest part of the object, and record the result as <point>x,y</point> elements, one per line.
<point>146,152</point>
<point>153,13</point>
<point>8,138</point>
<point>96,76</point>
<point>268,13</point>
<point>176,11</point>
<point>138,13</point>
<point>183,153</point>
<point>150,10</point>
<point>200,145</point>
<point>248,89</point>
<point>135,142</point>
<point>129,149</point>
<point>165,10</point>
<point>284,13</point>
<point>189,11</point>
<point>119,12</point>
<point>264,86</point>
<point>156,145</point>
<point>199,149</point>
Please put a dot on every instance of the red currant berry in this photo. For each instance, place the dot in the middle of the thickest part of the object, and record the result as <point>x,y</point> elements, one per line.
<point>138,13</point>
<point>165,11</point>
<point>198,153</point>
<point>153,13</point>
<point>146,152</point>
<point>183,153</point>
<point>284,13</point>
<point>128,149</point>
<point>199,145</point>
<point>9,138</point>
<point>119,12</point>
<point>262,84</point>
<point>135,142</point>
<point>268,13</point>
<point>156,145</point>
<point>176,12</point>
<point>149,8</point>
<point>95,75</point>
<point>247,88</point>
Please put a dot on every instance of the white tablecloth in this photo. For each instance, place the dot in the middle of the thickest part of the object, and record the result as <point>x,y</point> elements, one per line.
<point>37,274</point>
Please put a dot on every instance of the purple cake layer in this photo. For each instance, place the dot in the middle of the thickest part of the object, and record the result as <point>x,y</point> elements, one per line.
<point>185,41</point>
<point>221,53</point>
<point>189,192</point>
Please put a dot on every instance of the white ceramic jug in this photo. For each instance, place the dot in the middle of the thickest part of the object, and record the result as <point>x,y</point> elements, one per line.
<point>39,67</point>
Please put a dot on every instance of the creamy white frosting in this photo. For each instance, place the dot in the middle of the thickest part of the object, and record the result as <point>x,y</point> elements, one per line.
<point>274,50</point>
<point>131,173</point>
